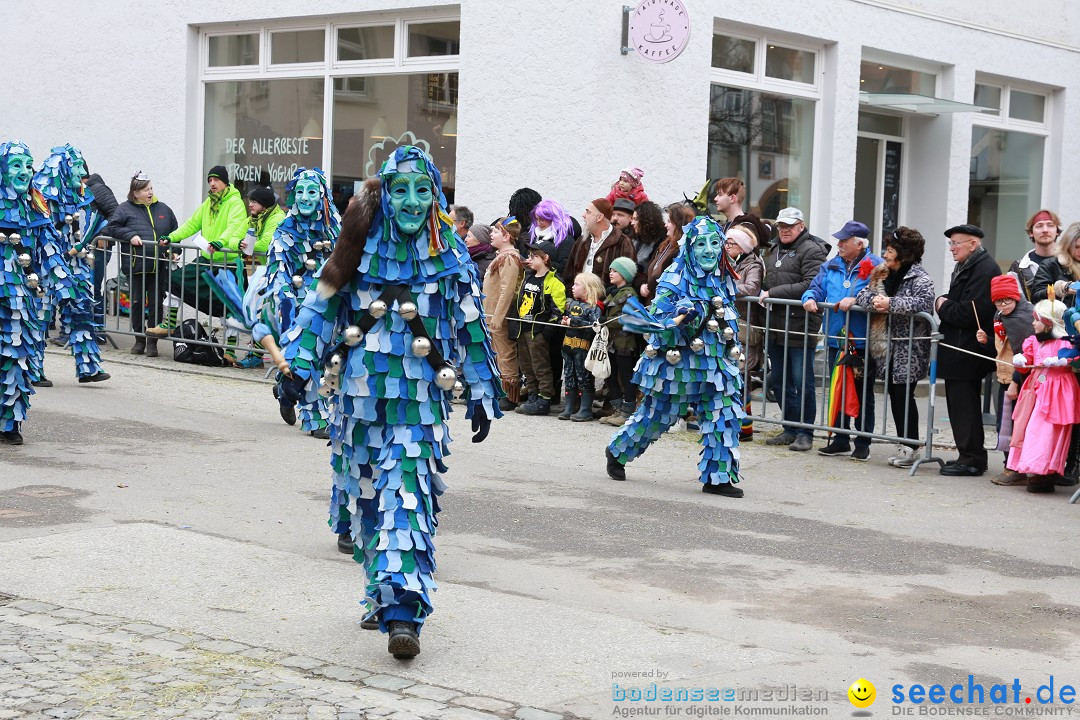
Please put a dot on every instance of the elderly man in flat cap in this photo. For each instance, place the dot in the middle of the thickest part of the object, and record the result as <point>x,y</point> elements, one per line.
<point>962,311</point>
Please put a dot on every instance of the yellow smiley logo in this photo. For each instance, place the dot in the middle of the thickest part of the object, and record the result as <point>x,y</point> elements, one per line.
<point>862,693</point>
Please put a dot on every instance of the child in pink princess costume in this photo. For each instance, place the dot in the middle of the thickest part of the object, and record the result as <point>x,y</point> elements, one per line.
<point>628,186</point>
<point>1048,404</point>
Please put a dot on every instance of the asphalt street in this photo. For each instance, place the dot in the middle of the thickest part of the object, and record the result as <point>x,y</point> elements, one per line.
<point>183,501</point>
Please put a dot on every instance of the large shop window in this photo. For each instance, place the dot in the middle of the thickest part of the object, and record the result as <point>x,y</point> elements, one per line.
<point>766,139</point>
<point>276,99</point>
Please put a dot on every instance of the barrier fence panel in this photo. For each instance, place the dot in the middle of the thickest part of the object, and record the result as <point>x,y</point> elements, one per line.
<point>780,333</point>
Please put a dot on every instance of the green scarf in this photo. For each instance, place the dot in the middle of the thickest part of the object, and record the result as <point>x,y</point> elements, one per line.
<point>215,201</point>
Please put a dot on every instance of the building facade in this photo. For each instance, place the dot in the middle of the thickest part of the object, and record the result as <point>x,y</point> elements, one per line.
<point>895,112</point>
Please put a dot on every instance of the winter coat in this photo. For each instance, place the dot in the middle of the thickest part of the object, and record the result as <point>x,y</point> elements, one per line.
<point>799,264</point>
<point>620,341</point>
<point>751,271</point>
<point>1010,331</point>
<point>958,324</point>
<point>635,195</point>
<point>482,255</point>
<point>664,256</point>
<point>614,245</point>
<point>1049,273</point>
<point>828,287</point>
<point>104,200</point>
<point>225,222</point>
<point>264,226</point>
<point>149,222</point>
<point>890,333</point>
<point>1026,268</point>
<point>501,283</point>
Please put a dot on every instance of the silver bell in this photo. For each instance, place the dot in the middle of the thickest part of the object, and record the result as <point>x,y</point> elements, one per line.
<point>421,346</point>
<point>81,253</point>
<point>14,238</point>
<point>459,390</point>
<point>77,235</point>
<point>377,309</point>
<point>712,325</point>
<point>650,351</point>
<point>32,281</point>
<point>325,389</point>
<point>718,313</point>
<point>3,238</point>
<point>90,260</point>
<point>352,336</point>
<point>729,334</point>
<point>24,259</point>
<point>407,310</point>
<point>734,352</point>
<point>68,219</point>
<point>317,246</point>
<point>697,344</point>
<point>673,356</point>
<point>310,264</point>
<point>742,361</point>
<point>718,303</point>
<point>297,281</point>
<point>446,378</point>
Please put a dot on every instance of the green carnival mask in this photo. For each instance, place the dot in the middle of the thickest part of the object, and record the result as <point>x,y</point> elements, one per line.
<point>410,198</point>
<point>20,171</point>
<point>306,196</point>
<point>706,250</point>
<point>78,172</point>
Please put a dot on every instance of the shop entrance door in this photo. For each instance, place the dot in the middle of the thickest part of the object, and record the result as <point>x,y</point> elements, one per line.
<point>878,166</point>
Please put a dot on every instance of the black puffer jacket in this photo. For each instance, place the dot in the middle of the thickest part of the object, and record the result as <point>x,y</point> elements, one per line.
<point>798,265</point>
<point>1049,273</point>
<point>969,293</point>
<point>104,200</point>
<point>149,223</point>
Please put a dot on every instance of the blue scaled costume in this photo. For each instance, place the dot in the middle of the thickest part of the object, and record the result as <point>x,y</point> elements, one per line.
<point>691,362</point>
<point>405,305</point>
<point>22,218</point>
<point>63,260</point>
<point>300,247</point>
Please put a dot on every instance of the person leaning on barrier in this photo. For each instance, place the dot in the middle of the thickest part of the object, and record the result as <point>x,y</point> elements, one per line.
<point>1043,228</point>
<point>138,224</point>
<point>745,234</point>
<point>1061,270</point>
<point>790,267</point>
<point>963,361</point>
<point>900,344</point>
<point>222,222</point>
<point>839,281</point>
<point>264,216</point>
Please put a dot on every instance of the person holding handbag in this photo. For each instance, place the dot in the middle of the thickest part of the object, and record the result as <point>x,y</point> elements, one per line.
<point>501,283</point>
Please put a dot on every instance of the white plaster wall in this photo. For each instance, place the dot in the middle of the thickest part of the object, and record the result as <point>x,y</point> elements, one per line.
<point>548,101</point>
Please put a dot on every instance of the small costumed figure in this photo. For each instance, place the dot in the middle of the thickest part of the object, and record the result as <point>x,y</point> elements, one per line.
<point>21,333</point>
<point>400,290</point>
<point>64,261</point>
<point>691,361</point>
<point>302,242</point>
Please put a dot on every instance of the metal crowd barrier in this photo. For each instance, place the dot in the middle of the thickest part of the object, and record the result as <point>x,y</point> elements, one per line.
<point>796,336</point>
<point>146,280</point>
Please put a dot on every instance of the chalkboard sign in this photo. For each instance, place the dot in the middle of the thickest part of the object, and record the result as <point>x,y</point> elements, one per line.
<point>890,205</point>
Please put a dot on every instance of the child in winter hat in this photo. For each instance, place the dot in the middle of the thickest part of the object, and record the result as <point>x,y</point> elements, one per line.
<point>628,186</point>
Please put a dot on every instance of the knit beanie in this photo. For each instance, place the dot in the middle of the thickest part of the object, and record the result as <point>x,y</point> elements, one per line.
<point>625,267</point>
<point>263,195</point>
<point>481,232</point>
<point>1052,314</point>
<point>1004,287</point>
<point>603,206</point>
<point>632,174</point>
<point>220,173</point>
<point>742,238</point>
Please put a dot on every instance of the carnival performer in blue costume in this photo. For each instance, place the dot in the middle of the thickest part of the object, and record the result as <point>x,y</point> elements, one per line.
<point>691,361</point>
<point>401,292</point>
<point>302,242</point>
<point>63,260</point>
<point>21,335</point>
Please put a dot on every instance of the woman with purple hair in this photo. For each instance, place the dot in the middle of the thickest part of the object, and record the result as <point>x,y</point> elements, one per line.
<point>551,222</point>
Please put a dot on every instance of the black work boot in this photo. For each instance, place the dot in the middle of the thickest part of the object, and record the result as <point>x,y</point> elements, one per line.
<point>725,489</point>
<point>42,382</point>
<point>151,347</point>
<point>287,411</point>
<point>139,347</point>
<point>12,437</point>
<point>404,642</point>
<point>615,469</point>
<point>345,543</point>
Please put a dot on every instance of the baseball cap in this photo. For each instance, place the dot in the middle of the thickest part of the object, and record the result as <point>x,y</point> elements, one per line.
<point>789,216</point>
<point>852,228</point>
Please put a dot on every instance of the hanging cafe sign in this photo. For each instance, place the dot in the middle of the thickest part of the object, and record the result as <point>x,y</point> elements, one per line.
<point>657,30</point>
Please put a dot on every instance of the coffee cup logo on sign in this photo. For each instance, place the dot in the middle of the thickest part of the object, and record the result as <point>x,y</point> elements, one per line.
<point>659,29</point>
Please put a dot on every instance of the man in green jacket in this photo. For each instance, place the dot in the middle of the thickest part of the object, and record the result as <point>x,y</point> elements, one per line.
<point>222,221</point>
<point>266,215</point>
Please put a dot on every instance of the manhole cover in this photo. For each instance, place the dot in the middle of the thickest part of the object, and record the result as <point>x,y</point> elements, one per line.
<point>12,513</point>
<point>44,491</point>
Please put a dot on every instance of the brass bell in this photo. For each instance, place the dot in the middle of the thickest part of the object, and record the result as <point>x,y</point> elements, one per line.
<point>712,325</point>
<point>697,344</point>
<point>421,346</point>
<point>24,259</point>
<point>377,309</point>
<point>673,356</point>
<point>650,351</point>
<point>446,378</point>
<point>310,264</point>
<point>32,281</point>
<point>407,310</point>
<point>729,334</point>
<point>297,281</point>
<point>352,335</point>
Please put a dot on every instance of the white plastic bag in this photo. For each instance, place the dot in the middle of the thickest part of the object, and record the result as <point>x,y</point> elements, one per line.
<point>597,362</point>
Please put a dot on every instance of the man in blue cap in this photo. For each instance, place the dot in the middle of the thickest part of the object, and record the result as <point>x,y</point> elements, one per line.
<point>838,281</point>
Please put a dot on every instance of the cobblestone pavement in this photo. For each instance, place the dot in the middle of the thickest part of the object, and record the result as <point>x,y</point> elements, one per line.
<point>63,663</point>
